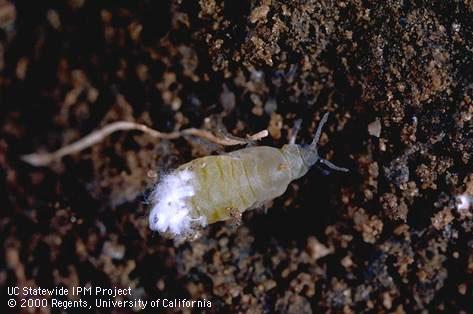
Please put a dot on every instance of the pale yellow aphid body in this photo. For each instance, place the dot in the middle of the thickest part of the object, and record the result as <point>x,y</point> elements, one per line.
<point>216,188</point>
<point>242,180</point>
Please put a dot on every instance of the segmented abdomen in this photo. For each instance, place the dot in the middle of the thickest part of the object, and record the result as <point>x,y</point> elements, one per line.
<point>240,180</point>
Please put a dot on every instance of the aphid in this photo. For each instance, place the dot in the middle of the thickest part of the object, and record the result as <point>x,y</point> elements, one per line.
<point>216,188</point>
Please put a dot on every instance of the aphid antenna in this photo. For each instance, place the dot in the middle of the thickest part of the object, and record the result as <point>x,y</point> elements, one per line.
<point>327,163</point>
<point>295,130</point>
<point>318,133</point>
<point>315,143</point>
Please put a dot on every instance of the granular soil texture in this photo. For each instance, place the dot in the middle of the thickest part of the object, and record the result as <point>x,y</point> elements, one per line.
<point>387,237</point>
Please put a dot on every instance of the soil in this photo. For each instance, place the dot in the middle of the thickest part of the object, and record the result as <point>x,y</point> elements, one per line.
<point>388,237</point>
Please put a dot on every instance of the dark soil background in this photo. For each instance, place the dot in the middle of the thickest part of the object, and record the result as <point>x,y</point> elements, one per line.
<point>388,237</point>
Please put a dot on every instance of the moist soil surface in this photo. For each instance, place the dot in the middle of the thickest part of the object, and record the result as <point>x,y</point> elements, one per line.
<point>387,237</point>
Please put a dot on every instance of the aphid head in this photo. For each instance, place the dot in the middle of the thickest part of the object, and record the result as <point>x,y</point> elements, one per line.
<point>294,156</point>
<point>308,154</point>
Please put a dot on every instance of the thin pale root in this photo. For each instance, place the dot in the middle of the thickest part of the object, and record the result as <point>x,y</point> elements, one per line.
<point>43,159</point>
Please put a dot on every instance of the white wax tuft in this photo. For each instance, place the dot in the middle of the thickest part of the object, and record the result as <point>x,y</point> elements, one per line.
<point>171,212</point>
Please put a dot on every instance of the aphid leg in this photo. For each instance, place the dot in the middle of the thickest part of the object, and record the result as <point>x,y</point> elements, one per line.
<point>235,216</point>
<point>295,129</point>
<point>332,166</point>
